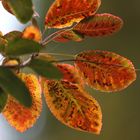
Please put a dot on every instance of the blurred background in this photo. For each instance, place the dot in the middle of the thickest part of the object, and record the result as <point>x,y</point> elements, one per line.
<point>121,113</point>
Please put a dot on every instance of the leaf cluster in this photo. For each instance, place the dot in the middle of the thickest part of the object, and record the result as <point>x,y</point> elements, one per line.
<point>63,84</point>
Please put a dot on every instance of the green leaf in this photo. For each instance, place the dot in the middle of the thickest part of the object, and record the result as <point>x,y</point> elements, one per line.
<point>45,68</point>
<point>12,85</point>
<point>21,47</point>
<point>3,42</point>
<point>22,9</point>
<point>3,100</point>
<point>12,35</point>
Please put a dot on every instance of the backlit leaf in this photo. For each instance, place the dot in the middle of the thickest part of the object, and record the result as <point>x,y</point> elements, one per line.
<point>99,25</point>
<point>70,73</point>
<point>73,106</point>
<point>12,85</point>
<point>63,13</point>
<point>69,35</point>
<point>3,100</point>
<point>20,117</point>
<point>105,71</point>
<point>21,47</point>
<point>33,33</point>
<point>22,9</point>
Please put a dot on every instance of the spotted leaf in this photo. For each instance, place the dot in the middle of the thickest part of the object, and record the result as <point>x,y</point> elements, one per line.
<point>70,73</point>
<point>19,116</point>
<point>105,71</point>
<point>69,35</point>
<point>63,13</point>
<point>99,25</point>
<point>74,107</point>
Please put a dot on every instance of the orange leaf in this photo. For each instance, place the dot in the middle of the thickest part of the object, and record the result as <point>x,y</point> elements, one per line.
<point>33,33</point>
<point>70,73</point>
<point>105,71</point>
<point>69,35</point>
<point>99,25</point>
<point>19,116</point>
<point>63,13</point>
<point>74,107</point>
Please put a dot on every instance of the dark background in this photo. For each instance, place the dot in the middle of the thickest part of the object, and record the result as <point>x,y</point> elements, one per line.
<point>121,113</point>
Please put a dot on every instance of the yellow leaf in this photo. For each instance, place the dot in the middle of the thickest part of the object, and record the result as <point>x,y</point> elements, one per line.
<point>20,117</point>
<point>73,106</point>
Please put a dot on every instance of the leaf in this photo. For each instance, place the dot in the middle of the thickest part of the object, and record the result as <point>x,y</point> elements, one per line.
<point>3,100</point>
<point>11,36</point>
<point>19,116</point>
<point>3,42</point>
<point>105,71</point>
<point>63,13</point>
<point>21,47</point>
<point>45,68</point>
<point>22,9</point>
<point>73,106</point>
<point>12,85</point>
<point>61,39</point>
<point>6,6</point>
<point>33,33</point>
<point>69,35</point>
<point>70,73</point>
<point>99,25</point>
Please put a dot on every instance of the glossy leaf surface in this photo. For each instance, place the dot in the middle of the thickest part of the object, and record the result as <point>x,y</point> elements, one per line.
<point>105,71</point>
<point>20,117</point>
<point>74,107</point>
<point>63,13</point>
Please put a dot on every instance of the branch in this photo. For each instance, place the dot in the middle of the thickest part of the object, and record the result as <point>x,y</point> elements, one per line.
<point>56,34</point>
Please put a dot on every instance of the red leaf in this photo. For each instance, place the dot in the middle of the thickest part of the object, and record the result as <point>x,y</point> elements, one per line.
<point>69,35</point>
<point>6,6</point>
<point>99,25</point>
<point>70,73</point>
<point>105,71</point>
<point>63,13</point>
